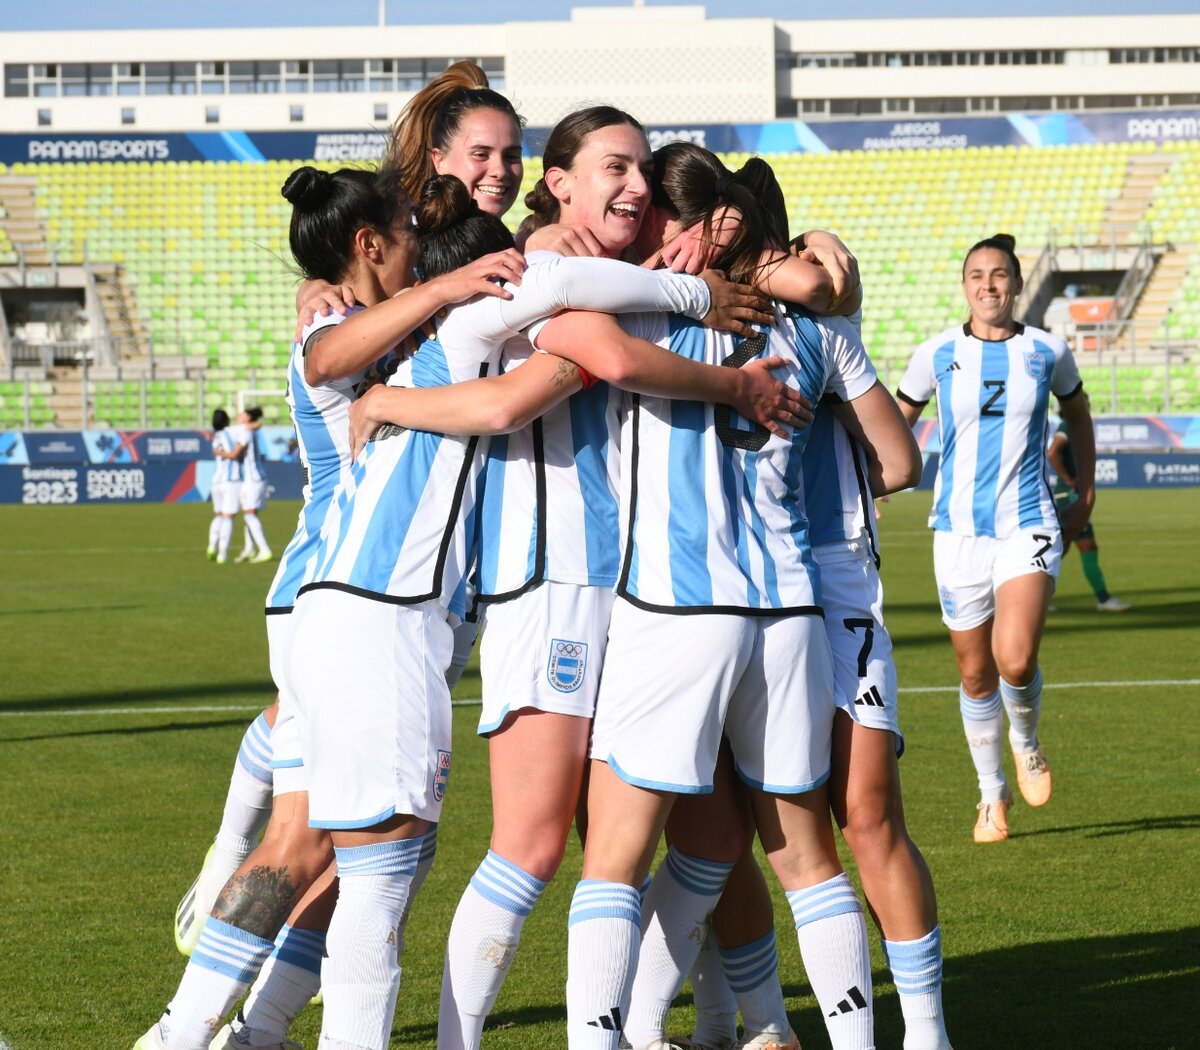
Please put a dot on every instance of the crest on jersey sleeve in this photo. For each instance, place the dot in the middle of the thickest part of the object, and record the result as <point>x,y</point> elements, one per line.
<point>568,662</point>
<point>1035,364</point>
<point>441,775</point>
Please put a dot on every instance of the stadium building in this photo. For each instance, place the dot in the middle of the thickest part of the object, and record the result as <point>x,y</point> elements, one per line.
<point>144,275</point>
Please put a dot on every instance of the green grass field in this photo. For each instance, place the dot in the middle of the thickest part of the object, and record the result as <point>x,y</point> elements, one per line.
<point>131,666</point>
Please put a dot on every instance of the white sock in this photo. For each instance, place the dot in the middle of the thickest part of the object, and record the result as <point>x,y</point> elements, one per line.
<point>753,974</point>
<point>481,947</point>
<point>247,541</point>
<point>254,531</point>
<point>604,931</point>
<point>247,810</point>
<point>225,961</point>
<point>286,983</point>
<point>716,1008</point>
<point>224,535</point>
<point>675,917</point>
<point>917,970</point>
<point>1023,704</point>
<point>983,723</point>
<point>425,861</point>
<point>833,945</point>
<point>214,527</point>
<point>360,975</point>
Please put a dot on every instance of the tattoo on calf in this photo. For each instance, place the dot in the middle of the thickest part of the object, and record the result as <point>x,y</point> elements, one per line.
<point>259,901</point>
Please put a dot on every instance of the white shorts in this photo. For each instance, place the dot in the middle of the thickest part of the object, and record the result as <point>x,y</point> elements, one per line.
<point>226,497</point>
<point>287,758</point>
<point>970,569</point>
<point>543,650</point>
<point>254,495</point>
<point>865,672</point>
<point>674,684</point>
<point>372,707</point>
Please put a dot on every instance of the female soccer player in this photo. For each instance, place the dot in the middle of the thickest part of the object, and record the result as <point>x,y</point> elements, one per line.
<point>998,543</point>
<point>345,228</point>
<point>715,560</point>
<point>226,486</point>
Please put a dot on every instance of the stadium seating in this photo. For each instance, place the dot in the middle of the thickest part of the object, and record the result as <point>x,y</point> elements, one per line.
<point>204,247</point>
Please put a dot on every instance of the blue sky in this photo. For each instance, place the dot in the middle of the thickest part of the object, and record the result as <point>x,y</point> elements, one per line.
<point>173,14</point>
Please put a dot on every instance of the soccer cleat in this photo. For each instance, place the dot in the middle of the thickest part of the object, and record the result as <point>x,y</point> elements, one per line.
<point>1033,776</point>
<point>194,908</point>
<point>992,823</point>
<point>769,1041</point>
<point>263,555</point>
<point>1111,604</point>
<point>244,556</point>
<point>155,1039</point>
<point>222,559</point>
<point>230,1039</point>
<point>211,553</point>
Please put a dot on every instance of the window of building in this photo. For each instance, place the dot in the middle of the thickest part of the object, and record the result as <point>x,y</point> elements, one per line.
<point>43,118</point>
<point>212,114</point>
<point>16,81</point>
<point>128,116</point>
<point>381,113</point>
<point>296,114</point>
<point>295,76</point>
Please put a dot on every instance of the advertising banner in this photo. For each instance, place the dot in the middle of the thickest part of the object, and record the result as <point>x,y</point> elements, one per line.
<point>781,136</point>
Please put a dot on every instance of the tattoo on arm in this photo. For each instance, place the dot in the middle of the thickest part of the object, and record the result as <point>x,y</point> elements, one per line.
<point>565,373</point>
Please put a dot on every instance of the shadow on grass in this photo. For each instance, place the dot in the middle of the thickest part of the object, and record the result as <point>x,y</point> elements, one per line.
<point>147,694</point>
<point>69,609</point>
<point>1102,993</point>
<point>1184,822</point>
<point>167,727</point>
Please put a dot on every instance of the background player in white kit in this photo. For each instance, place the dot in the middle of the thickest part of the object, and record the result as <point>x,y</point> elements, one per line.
<point>997,542</point>
<point>254,488</point>
<point>226,485</point>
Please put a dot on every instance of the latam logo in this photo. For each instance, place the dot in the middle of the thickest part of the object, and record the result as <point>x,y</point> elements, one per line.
<point>1172,473</point>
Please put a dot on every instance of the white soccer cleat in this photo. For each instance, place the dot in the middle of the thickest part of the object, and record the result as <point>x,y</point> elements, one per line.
<point>244,556</point>
<point>1111,604</point>
<point>155,1039</point>
<point>229,1038</point>
<point>197,904</point>
<point>263,555</point>
<point>769,1041</point>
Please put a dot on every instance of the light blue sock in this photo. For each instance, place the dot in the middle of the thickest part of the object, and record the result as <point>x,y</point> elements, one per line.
<point>917,971</point>
<point>983,723</point>
<point>1024,706</point>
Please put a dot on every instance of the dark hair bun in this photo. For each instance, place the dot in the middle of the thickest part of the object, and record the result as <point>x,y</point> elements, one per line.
<point>1006,239</point>
<point>444,202</point>
<point>307,188</point>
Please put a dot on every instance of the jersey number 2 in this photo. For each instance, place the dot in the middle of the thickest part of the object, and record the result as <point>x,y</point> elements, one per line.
<point>731,436</point>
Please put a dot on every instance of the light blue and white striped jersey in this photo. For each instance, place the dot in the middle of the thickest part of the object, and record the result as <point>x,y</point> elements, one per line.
<point>251,467</point>
<point>226,469</point>
<point>548,510</point>
<point>321,416</point>
<point>837,493</point>
<point>993,401</point>
<point>398,527</point>
<point>712,508</point>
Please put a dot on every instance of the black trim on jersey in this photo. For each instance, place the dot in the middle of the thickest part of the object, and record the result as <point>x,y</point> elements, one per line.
<point>362,592</point>
<point>278,610</point>
<point>1073,393</point>
<point>634,456</point>
<point>539,549</point>
<point>902,396</point>
<point>1018,329</point>
<point>725,610</point>
<point>681,610</point>
<point>864,496</point>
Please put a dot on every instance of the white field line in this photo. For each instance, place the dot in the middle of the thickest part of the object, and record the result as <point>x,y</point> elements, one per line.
<point>103,712</point>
